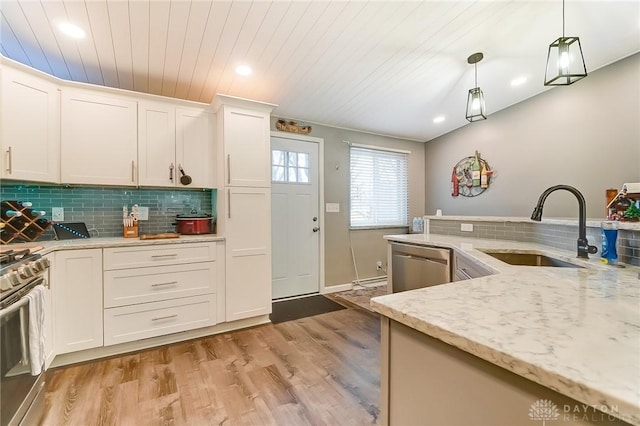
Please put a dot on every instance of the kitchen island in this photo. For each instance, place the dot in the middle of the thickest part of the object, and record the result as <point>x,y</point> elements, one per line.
<point>523,344</point>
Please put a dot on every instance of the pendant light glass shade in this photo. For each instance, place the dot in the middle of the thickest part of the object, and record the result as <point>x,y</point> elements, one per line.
<point>475,105</point>
<point>565,62</point>
<point>475,101</point>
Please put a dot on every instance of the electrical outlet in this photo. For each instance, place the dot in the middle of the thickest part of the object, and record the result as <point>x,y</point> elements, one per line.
<point>466,227</point>
<point>57,214</point>
<point>143,213</point>
<point>378,265</point>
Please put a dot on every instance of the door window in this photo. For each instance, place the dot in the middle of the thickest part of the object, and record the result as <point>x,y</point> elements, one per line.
<point>289,166</point>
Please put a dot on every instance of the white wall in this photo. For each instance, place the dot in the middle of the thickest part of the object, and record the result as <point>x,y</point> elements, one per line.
<point>586,135</point>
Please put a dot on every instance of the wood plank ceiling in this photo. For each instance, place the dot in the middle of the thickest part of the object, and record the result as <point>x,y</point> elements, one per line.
<point>387,67</point>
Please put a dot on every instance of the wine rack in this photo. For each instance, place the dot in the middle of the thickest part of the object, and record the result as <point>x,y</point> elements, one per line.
<point>20,223</point>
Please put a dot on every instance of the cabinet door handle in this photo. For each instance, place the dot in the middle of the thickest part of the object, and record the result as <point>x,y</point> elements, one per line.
<point>171,172</point>
<point>9,160</point>
<point>133,171</point>
<point>156,256</point>
<point>228,204</point>
<point>162,284</point>
<point>228,169</point>
<point>165,317</point>
<point>464,272</point>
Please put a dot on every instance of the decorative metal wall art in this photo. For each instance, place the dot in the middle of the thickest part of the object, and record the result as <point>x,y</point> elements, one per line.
<point>471,176</point>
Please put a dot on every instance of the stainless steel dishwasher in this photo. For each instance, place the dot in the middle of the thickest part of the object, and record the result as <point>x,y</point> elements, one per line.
<point>415,266</point>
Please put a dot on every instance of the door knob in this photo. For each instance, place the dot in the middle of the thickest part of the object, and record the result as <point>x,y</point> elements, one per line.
<point>316,229</point>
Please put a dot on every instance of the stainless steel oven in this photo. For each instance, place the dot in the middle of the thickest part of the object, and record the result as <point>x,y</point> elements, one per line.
<point>22,276</point>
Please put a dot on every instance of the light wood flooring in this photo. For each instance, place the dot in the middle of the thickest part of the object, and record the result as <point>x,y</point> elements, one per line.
<point>321,370</point>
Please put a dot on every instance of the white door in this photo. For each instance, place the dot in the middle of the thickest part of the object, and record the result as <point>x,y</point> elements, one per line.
<point>295,219</point>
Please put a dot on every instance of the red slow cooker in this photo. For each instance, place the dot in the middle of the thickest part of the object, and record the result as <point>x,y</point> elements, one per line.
<point>194,224</point>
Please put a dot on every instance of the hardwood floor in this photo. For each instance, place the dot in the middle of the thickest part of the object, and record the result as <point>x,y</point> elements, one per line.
<point>321,370</point>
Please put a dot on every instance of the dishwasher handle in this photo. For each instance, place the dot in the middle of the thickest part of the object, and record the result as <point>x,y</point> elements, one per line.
<point>423,258</point>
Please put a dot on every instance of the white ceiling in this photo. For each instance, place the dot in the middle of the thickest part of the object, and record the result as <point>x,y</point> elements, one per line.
<point>386,67</point>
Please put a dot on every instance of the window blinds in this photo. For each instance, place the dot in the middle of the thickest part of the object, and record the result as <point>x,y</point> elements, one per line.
<point>379,187</point>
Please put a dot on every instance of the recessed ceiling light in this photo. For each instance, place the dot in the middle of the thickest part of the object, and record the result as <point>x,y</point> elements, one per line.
<point>439,119</point>
<point>71,30</point>
<point>518,81</point>
<point>243,70</point>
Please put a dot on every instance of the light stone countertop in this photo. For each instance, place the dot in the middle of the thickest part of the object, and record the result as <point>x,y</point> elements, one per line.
<point>576,331</point>
<point>98,242</point>
<point>591,223</point>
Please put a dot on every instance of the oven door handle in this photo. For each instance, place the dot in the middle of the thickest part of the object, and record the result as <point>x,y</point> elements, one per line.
<point>20,303</point>
<point>11,309</point>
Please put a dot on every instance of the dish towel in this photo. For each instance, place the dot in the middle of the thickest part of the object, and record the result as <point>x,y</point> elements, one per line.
<point>36,329</point>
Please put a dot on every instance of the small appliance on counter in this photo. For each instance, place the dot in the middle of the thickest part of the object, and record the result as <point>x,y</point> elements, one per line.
<point>70,231</point>
<point>195,224</point>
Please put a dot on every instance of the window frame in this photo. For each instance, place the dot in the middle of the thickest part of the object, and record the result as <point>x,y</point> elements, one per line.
<point>385,150</point>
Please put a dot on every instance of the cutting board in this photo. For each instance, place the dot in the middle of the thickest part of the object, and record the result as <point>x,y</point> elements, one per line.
<point>164,236</point>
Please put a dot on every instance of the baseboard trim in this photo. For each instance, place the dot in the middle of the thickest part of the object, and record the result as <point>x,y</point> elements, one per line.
<point>337,288</point>
<point>122,348</point>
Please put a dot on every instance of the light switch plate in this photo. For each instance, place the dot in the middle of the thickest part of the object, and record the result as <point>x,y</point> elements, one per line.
<point>332,208</point>
<point>143,213</point>
<point>57,214</point>
<point>466,227</point>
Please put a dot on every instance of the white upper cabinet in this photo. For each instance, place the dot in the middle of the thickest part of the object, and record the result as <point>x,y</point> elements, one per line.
<point>171,139</point>
<point>194,146</point>
<point>29,127</point>
<point>99,139</point>
<point>156,144</point>
<point>245,142</point>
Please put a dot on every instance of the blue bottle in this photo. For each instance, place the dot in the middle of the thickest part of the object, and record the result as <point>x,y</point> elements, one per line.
<point>609,236</point>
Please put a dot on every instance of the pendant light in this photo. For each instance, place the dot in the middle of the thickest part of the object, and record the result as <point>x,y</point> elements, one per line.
<point>565,63</point>
<point>475,102</point>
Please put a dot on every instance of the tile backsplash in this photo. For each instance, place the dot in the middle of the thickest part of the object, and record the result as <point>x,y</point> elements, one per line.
<point>100,208</point>
<point>559,236</point>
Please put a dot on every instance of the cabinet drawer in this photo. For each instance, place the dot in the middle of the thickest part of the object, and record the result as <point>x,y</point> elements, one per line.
<point>466,269</point>
<point>128,323</point>
<point>169,254</point>
<point>141,285</point>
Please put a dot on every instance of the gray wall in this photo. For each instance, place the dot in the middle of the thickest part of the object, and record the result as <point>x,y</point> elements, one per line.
<point>586,135</point>
<point>368,245</point>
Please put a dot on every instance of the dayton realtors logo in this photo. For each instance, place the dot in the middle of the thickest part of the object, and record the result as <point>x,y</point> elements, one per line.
<point>544,409</point>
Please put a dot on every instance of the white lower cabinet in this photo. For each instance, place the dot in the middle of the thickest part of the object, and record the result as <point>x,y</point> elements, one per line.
<point>77,282</point>
<point>49,331</point>
<point>141,285</point>
<point>151,291</point>
<point>247,225</point>
<point>134,322</point>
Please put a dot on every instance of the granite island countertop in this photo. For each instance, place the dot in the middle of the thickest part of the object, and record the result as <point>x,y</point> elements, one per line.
<point>573,330</point>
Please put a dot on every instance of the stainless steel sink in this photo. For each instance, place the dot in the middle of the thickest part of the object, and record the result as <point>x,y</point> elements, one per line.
<point>530,259</point>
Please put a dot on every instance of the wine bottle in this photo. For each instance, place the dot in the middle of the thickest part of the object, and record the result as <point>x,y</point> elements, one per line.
<point>455,183</point>
<point>475,171</point>
<point>484,177</point>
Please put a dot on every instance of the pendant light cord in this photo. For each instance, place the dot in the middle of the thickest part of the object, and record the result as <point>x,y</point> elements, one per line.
<point>476,68</point>
<point>562,18</point>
